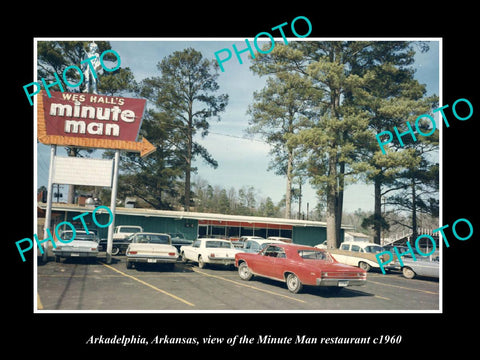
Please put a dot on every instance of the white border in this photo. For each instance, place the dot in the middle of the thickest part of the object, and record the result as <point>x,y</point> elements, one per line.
<point>173,39</point>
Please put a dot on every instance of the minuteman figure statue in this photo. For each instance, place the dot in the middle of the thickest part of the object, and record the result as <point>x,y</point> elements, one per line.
<point>90,77</point>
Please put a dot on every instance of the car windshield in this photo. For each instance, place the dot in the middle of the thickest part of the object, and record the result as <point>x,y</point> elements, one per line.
<point>218,244</point>
<point>314,255</point>
<point>152,239</point>
<point>79,236</point>
<point>129,229</point>
<point>373,249</point>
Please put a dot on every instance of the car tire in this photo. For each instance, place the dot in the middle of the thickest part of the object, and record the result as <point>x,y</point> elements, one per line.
<point>293,283</point>
<point>364,266</point>
<point>184,258</point>
<point>244,272</point>
<point>57,258</point>
<point>408,273</point>
<point>129,265</point>
<point>201,264</point>
<point>115,250</point>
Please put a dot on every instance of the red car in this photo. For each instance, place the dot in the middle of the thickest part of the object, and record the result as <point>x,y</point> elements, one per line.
<point>299,265</point>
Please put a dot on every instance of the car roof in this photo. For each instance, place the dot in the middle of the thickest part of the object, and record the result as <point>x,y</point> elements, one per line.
<point>296,246</point>
<point>150,233</point>
<point>359,243</point>
<point>266,241</point>
<point>216,239</point>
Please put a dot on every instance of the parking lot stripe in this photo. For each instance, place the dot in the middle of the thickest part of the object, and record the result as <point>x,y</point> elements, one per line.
<point>149,285</point>
<point>39,303</point>
<point>245,285</point>
<point>403,287</point>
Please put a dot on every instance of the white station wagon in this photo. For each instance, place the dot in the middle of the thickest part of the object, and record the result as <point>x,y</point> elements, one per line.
<point>151,248</point>
<point>357,253</point>
<point>210,251</point>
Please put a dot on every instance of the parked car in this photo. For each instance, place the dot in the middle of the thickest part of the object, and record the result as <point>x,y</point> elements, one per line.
<point>83,245</point>
<point>280,238</point>
<point>151,248</point>
<point>241,240</point>
<point>422,266</point>
<point>124,231</point>
<point>178,240</point>
<point>323,245</point>
<point>400,249</point>
<point>299,265</point>
<point>209,251</point>
<point>256,245</point>
<point>119,246</point>
<point>358,253</point>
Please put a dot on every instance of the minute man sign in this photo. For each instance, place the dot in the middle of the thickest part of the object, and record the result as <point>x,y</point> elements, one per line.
<point>91,120</point>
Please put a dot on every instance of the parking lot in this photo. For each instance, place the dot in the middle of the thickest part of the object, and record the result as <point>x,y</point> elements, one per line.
<point>77,284</point>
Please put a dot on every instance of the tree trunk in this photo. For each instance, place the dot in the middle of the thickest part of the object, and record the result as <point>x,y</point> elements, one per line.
<point>288,193</point>
<point>414,211</point>
<point>331,201</point>
<point>339,204</point>
<point>188,169</point>
<point>377,215</point>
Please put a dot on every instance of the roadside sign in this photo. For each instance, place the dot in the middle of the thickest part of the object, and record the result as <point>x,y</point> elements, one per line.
<point>91,120</point>
<point>82,171</point>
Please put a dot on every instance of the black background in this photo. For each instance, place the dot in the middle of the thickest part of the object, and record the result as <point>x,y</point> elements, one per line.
<point>66,334</point>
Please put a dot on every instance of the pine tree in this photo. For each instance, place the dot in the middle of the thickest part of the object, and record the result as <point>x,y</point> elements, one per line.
<point>185,92</point>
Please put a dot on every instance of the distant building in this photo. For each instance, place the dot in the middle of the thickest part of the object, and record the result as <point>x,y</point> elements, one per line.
<point>355,236</point>
<point>194,224</point>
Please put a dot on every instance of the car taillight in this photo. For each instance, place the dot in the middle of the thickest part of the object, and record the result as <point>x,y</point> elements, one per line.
<point>324,274</point>
<point>132,252</point>
<point>93,248</point>
<point>212,255</point>
<point>171,253</point>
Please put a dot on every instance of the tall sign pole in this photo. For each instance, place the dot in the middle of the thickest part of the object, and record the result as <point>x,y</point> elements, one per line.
<point>48,215</point>
<point>90,121</point>
<point>113,206</point>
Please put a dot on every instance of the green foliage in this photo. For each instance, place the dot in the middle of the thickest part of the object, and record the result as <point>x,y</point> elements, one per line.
<point>185,94</point>
<point>355,89</point>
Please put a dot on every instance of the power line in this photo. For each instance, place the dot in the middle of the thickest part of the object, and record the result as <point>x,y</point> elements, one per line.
<point>238,137</point>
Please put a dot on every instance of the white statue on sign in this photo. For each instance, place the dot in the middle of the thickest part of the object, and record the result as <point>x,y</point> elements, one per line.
<point>91,68</point>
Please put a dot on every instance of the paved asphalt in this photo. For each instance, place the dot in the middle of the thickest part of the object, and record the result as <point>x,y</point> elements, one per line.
<point>76,284</point>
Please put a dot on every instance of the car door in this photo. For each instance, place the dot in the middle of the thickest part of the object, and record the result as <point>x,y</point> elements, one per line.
<point>426,267</point>
<point>192,251</point>
<point>343,257</point>
<point>280,263</point>
<point>264,262</point>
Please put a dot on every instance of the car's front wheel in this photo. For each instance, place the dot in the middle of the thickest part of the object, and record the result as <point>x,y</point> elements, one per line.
<point>293,283</point>
<point>244,272</point>
<point>408,273</point>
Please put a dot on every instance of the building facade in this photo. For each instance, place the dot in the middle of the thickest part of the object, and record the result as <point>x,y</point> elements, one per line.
<point>193,224</point>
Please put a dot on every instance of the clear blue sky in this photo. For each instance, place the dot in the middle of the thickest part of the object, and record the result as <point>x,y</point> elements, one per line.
<point>241,161</point>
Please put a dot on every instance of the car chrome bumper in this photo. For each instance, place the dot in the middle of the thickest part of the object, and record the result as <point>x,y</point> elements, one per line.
<point>340,282</point>
<point>221,260</point>
<point>152,259</point>
<point>73,253</point>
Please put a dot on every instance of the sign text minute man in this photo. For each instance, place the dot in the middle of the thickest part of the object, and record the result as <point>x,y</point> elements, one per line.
<point>114,113</point>
<point>91,115</point>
